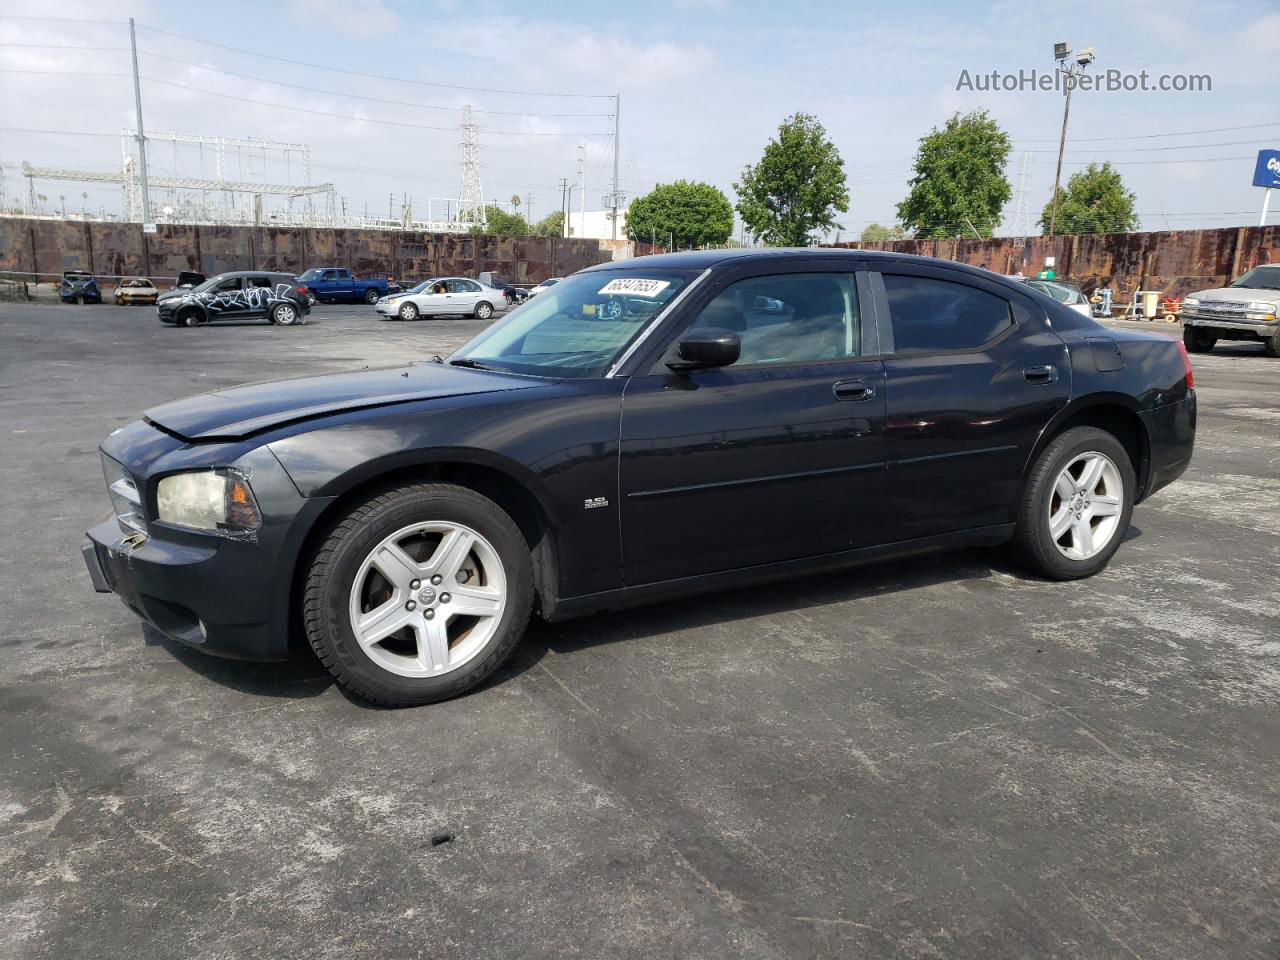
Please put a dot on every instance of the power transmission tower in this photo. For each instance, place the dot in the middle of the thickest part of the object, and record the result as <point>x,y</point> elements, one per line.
<point>582,178</point>
<point>1021,214</point>
<point>471,202</point>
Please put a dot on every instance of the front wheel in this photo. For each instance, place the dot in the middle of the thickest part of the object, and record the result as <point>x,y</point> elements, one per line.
<point>284,314</point>
<point>484,310</point>
<point>418,594</point>
<point>1197,340</point>
<point>371,296</point>
<point>311,299</point>
<point>1076,505</point>
<point>1271,345</point>
<point>409,311</point>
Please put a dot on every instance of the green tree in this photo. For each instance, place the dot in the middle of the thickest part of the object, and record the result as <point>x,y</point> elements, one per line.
<point>552,225</point>
<point>959,185</point>
<point>796,188</point>
<point>878,233</point>
<point>1094,201</point>
<point>689,214</point>
<point>503,224</point>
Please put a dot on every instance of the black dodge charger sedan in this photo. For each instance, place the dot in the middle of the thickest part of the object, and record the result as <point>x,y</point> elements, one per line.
<point>641,430</point>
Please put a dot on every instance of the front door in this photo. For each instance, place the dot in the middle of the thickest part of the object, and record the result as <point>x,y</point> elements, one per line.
<point>776,457</point>
<point>973,375</point>
<point>225,301</point>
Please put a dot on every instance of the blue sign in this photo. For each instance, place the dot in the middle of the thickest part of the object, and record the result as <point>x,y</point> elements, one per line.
<point>1267,172</point>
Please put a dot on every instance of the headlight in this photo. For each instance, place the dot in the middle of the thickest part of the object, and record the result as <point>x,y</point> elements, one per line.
<point>1260,307</point>
<point>125,499</point>
<point>1190,302</point>
<point>208,500</point>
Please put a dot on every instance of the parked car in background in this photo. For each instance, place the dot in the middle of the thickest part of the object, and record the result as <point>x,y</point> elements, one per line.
<point>544,285</point>
<point>443,296</point>
<point>513,293</point>
<point>1243,310</point>
<point>138,290</point>
<point>641,433</point>
<point>337,285</point>
<point>244,295</point>
<point>79,285</point>
<point>1066,292</point>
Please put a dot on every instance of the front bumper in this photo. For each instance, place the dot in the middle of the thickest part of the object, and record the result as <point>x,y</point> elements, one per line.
<point>1261,329</point>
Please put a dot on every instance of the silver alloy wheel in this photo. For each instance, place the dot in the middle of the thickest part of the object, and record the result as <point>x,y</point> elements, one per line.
<point>427,599</point>
<point>483,310</point>
<point>409,312</point>
<point>284,315</point>
<point>1085,507</point>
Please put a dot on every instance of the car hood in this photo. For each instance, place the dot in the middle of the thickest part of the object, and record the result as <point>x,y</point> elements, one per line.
<point>1239,295</point>
<point>243,411</point>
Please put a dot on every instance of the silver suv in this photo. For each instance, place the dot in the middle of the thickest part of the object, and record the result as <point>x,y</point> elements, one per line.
<point>1243,310</point>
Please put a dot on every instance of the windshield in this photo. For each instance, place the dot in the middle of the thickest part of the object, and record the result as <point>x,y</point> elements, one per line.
<point>1260,278</point>
<point>578,328</point>
<point>310,275</point>
<point>420,288</point>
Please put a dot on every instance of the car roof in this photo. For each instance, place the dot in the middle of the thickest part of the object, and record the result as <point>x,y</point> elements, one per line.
<point>710,259</point>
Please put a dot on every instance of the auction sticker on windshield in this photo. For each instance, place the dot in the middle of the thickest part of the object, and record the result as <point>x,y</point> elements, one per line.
<point>636,287</point>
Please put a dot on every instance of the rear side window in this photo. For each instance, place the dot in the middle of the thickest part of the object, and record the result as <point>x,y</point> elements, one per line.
<point>260,282</point>
<point>929,314</point>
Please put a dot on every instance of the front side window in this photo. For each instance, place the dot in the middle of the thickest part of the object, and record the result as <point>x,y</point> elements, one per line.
<point>230,283</point>
<point>930,315</point>
<point>579,328</point>
<point>789,317</point>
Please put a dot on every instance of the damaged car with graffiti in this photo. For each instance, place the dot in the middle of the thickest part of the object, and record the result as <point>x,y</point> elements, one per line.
<point>278,298</point>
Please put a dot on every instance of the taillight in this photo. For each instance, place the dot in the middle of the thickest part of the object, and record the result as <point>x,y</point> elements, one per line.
<point>1186,365</point>
<point>302,291</point>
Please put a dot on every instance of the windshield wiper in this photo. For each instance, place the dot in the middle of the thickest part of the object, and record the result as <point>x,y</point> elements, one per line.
<point>468,362</point>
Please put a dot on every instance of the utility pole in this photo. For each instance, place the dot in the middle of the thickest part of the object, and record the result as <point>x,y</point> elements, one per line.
<point>564,183</point>
<point>569,210</point>
<point>582,200</point>
<point>391,206</point>
<point>528,206</point>
<point>613,194</point>
<point>142,137</point>
<point>1061,52</point>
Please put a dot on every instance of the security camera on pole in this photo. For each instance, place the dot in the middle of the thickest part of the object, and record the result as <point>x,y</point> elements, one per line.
<point>1067,63</point>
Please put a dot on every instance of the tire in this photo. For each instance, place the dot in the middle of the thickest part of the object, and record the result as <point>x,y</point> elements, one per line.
<point>311,299</point>
<point>408,311</point>
<point>1059,558</point>
<point>1271,345</point>
<point>1197,340</point>
<point>483,310</point>
<point>402,668</point>
<point>188,318</point>
<point>284,314</point>
<point>371,296</point>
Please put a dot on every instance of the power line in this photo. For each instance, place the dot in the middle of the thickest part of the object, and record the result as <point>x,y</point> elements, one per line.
<point>375,76</point>
<point>357,96</point>
<point>114,23</point>
<point>1151,136</point>
<point>63,46</point>
<point>343,116</point>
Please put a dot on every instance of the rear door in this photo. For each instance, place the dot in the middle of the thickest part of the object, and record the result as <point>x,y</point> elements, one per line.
<point>463,295</point>
<point>259,291</point>
<point>342,287</point>
<point>776,457</point>
<point>973,374</point>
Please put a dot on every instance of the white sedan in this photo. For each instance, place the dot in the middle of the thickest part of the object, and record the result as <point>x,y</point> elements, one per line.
<point>443,296</point>
<point>545,285</point>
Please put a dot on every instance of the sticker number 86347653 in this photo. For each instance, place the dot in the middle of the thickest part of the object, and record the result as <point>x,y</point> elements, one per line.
<point>637,287</point>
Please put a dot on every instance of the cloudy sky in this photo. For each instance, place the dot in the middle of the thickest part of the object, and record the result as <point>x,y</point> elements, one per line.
<point>376,86</point>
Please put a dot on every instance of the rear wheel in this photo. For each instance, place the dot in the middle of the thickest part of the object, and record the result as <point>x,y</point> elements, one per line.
<point>1077,504</point>
<point>1197,340</point>
<point>408,311</point>
<point>284,314</point>
<point>418,594</point>
<point>484,310</point>
<point>371,296</point>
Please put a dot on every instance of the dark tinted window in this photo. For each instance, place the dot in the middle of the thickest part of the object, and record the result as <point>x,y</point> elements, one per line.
<point>790,317</point>
<point>930,314</point>
<point>260,282</point>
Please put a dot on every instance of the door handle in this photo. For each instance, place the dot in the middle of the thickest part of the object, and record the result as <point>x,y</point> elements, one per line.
<point>853,390</point>
<point>1045,373</point>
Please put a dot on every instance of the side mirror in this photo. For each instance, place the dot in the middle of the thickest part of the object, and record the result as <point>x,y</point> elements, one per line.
<point>704,347</point>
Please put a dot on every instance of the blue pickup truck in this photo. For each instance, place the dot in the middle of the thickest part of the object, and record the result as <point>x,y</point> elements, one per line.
<point>337,285</point>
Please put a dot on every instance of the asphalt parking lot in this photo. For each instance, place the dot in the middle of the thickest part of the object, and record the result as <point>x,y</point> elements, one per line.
<point>933,758</point>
